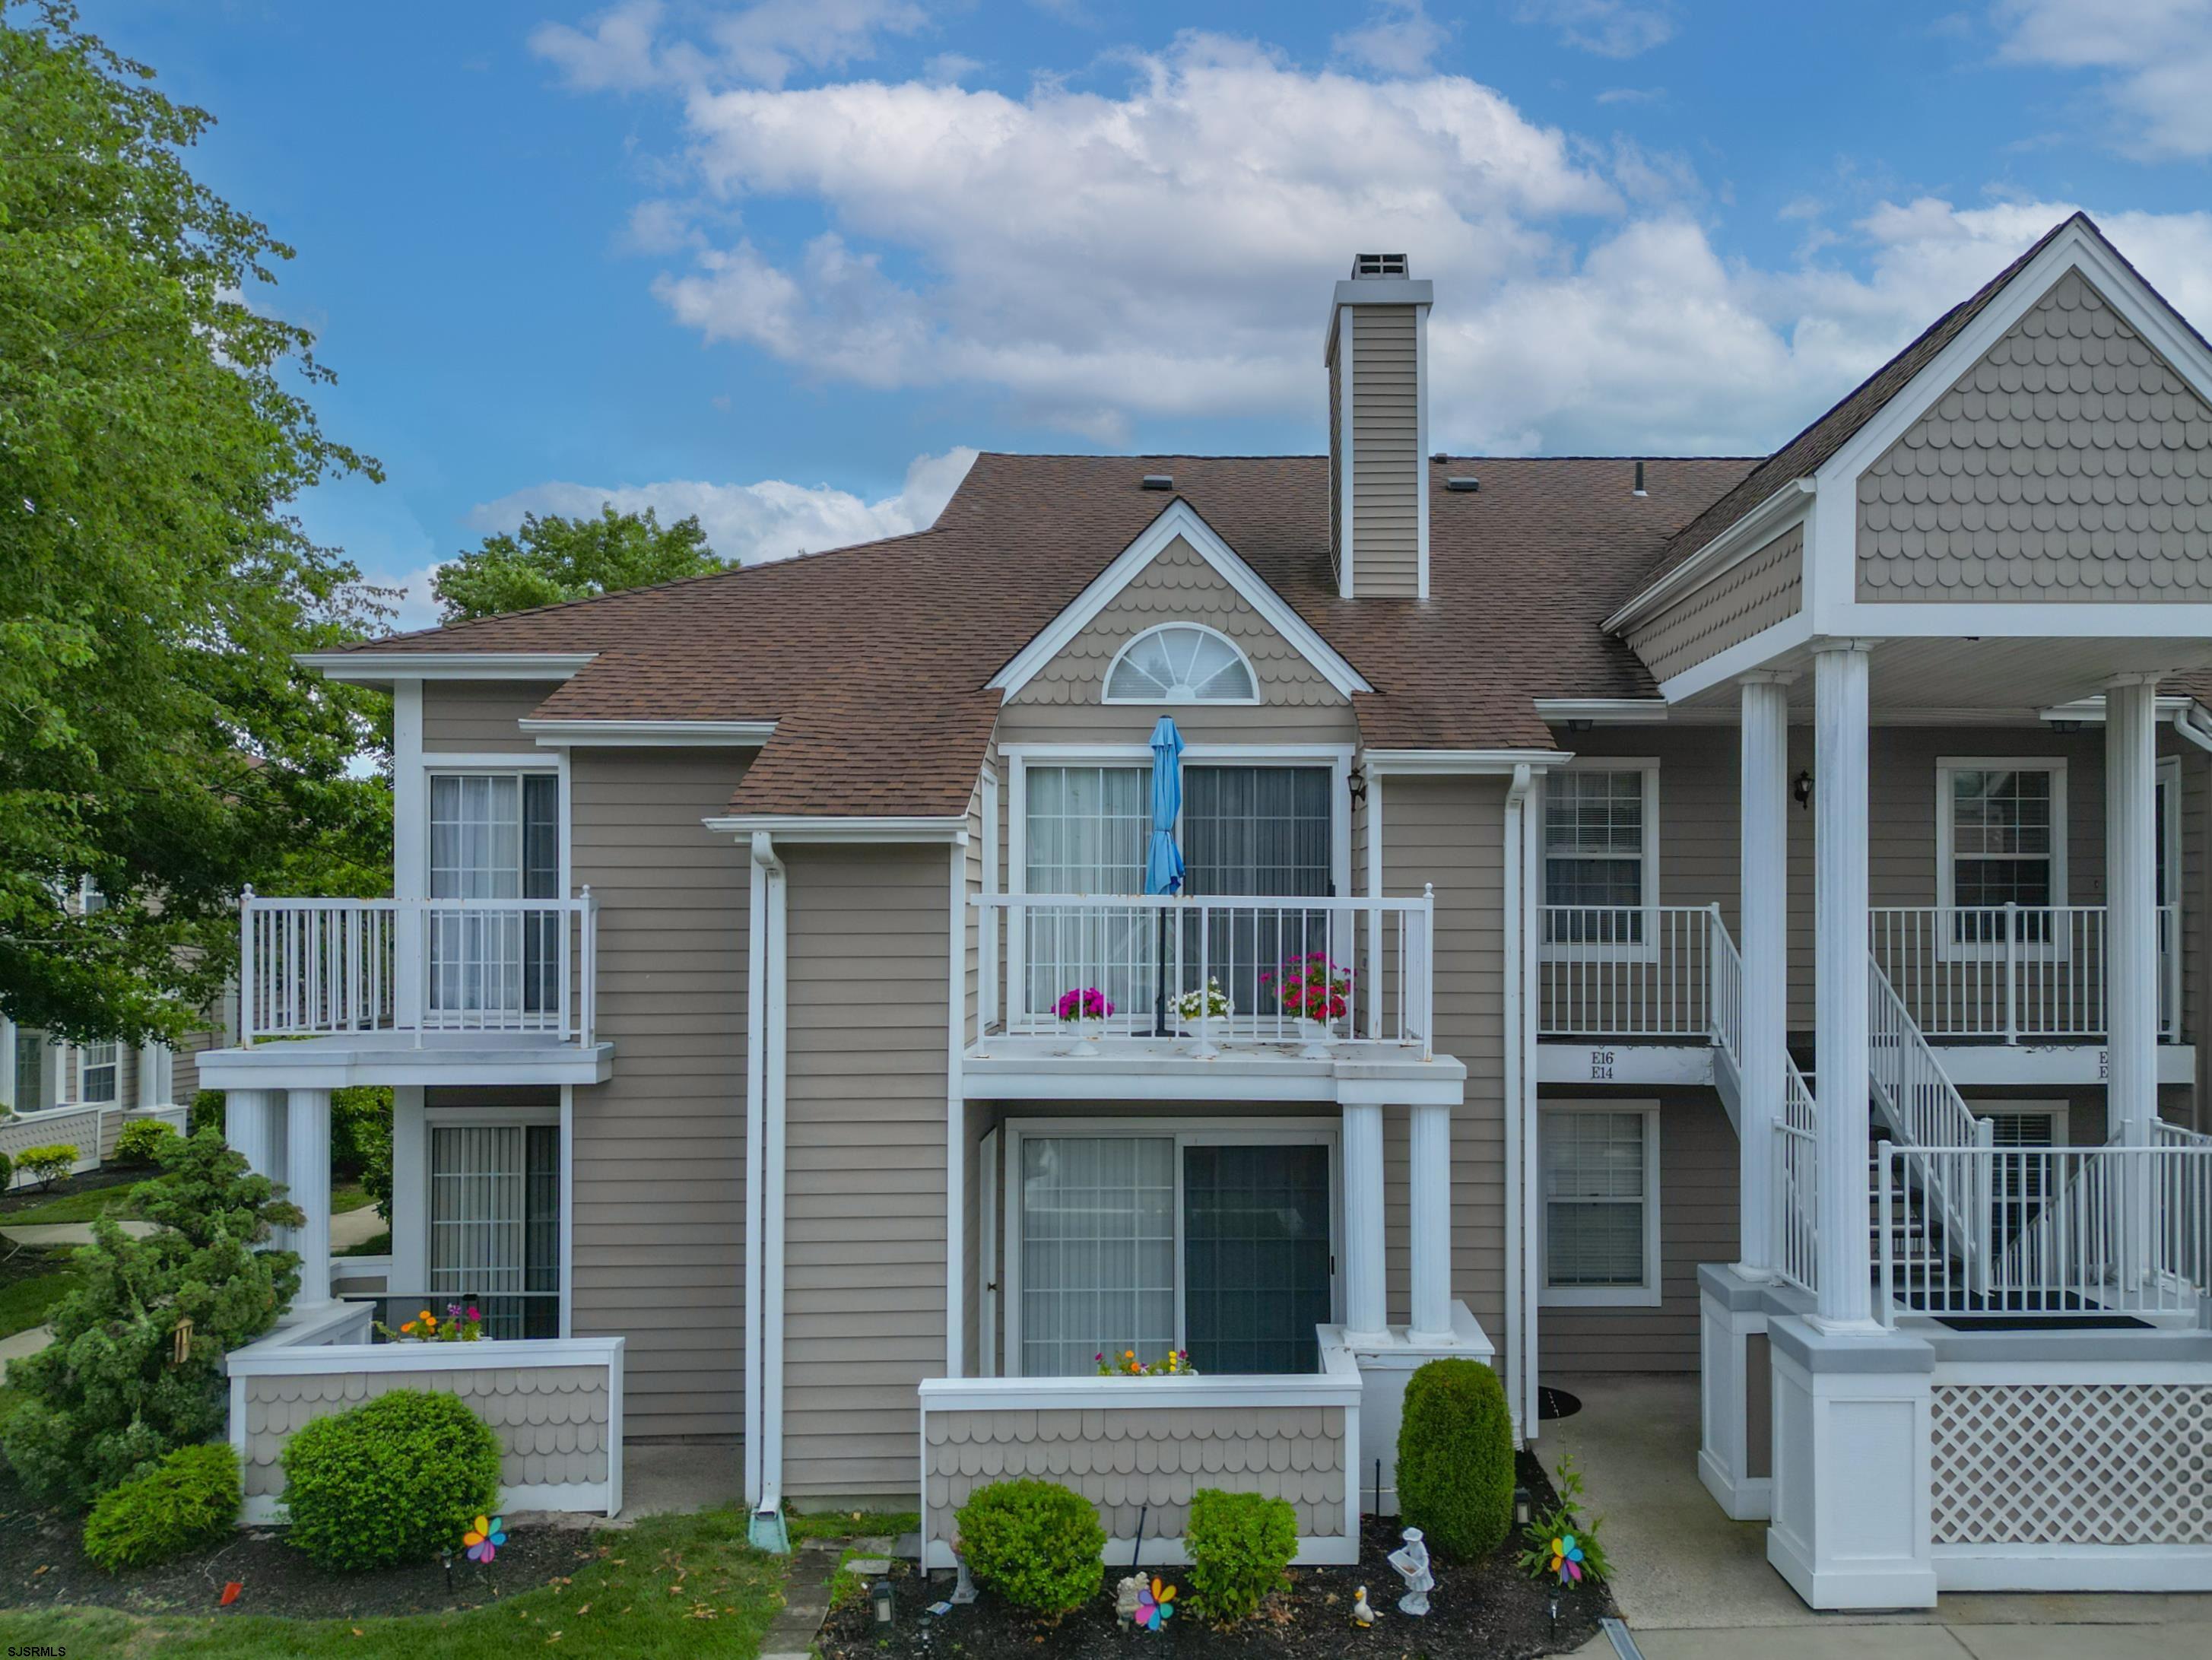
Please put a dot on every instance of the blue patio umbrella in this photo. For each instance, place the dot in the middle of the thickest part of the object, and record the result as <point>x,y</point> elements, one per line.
<point>1163,859</point>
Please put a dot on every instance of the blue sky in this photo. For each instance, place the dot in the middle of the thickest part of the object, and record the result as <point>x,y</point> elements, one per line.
<point>786,264</point>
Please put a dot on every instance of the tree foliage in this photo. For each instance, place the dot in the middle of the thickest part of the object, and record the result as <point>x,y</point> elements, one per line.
<point>155,429</point>
<point>554,558</point>
<point>109,1396</point>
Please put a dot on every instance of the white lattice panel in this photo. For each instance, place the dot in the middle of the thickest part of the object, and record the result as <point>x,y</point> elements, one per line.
<point>2072,1463</point>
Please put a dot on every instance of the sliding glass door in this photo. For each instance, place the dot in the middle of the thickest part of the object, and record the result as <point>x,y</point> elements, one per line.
<point>496,1224</point>
<point>495,836</point>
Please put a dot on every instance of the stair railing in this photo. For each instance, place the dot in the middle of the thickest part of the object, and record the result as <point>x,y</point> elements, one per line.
<point>1924,1110</point>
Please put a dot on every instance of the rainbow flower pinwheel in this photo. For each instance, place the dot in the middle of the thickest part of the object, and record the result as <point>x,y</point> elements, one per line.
<point>1567,1559</point>
<point>484,1539</point>
<point>1155,1605</point>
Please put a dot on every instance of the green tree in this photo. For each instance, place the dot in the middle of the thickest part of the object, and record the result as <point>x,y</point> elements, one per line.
<point>109,1396</point>
<point>155,735</point>
<point>556,557</point>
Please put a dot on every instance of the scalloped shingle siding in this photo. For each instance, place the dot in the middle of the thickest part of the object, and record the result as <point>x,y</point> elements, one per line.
<point>1760,591</point>
<point>1152,1458</point>
<point>2070,463</point>
<point>551,1421</point>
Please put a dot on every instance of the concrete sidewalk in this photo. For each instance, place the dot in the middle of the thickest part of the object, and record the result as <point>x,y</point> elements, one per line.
<point>348,1228</point>
<point>1693,1586</point>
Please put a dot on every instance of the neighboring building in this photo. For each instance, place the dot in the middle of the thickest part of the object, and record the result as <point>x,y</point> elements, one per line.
<point>1604,802</point>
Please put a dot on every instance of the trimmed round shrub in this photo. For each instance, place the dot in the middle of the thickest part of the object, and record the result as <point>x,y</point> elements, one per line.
<point>1241,1546</point>
<point>1455,1458</point>
<point>189,1497</point>
<point>1036,1544</point>
<point>393,1481</point>
<point>141,1141</point>
<point>7,1171</point>
<point>46,1165</point>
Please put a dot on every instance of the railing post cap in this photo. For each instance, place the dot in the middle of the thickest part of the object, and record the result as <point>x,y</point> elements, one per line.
<point>246,892</point>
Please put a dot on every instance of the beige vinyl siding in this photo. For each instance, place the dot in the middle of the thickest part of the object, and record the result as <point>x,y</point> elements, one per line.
<point>2070,465</point>
<point>1336,466</point>
<point>1061,702</point>
<point>1763,588</point>
<point>1386,451</point>
<point>1451,831</point>
<point>660,1148</point>
<point>478,717</point>
<point>864,1252</point>
<point>1697,1168</point>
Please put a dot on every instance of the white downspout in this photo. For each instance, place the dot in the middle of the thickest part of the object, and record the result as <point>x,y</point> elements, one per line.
<point>1516,796</point>
<point>1531,867</point>
<point>764,1180</point>
<point>2194,725</point>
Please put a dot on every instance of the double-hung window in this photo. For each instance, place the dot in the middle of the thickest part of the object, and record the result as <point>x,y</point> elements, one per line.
<point>495,836</point>
<point>2002,831</point>
<point>496,1224</point>
<point>1601,1203</point>
<point>97,1067</point>
<point>1601,856</point>
<point>1141,1243</point>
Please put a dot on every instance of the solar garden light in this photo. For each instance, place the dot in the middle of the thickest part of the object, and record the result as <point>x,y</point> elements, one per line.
<point>1521,1507</point>
<point>880,1595</point>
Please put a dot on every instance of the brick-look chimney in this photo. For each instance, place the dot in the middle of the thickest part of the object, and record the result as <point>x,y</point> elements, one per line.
<point>1378,431</point>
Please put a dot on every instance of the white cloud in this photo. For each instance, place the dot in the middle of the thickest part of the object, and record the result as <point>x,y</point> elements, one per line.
<point>2155,56</point>
<point>749,523</point>
<point>1399,38</point>
<point>1611,28</point>
<point>625,48</point>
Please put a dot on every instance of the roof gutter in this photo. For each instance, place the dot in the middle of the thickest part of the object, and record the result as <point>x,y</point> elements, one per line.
<point>803,827</point>
<point>2194,724</point>
<point>1455,763</point>
<point>648,734</point>
<point>381,668</point>
<point>1746,535</point>
<point>766,1012</point>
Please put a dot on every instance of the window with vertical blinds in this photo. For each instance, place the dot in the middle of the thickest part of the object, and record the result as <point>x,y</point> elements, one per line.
<point>496,1224</point>
<point>495,836</point>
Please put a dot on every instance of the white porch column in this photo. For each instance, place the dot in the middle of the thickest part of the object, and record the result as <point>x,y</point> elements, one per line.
<point>249,1126</point>
<point>1839,914</point>
<point>54,1061</point>
<point>1763,921</point>
<point>1366,1310</point>
<point>2131,988</point>
<point>1429,1149</point>
<point>7,1064</point>
<point>308,1154</point>
<point>153,1076</point>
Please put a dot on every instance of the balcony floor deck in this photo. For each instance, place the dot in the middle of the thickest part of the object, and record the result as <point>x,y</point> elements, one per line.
<point>406,1057</point>
<point>1141,1069</point>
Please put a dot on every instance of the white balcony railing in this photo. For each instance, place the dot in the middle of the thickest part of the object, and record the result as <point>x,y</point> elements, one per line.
<point>2055,1231</point>
<point>326,968</point>
<point>1283,970</point>
<point>2019,972</point>
<point>1635,971</point>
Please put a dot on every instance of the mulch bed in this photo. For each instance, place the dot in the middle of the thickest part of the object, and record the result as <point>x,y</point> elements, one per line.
<point>107,1176</point>
<point>42,1564</point>
<point>1486,1610</point>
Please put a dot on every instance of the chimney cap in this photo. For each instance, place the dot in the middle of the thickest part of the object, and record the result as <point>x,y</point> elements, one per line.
<point>1159,481</point>
<point>1379,264</point>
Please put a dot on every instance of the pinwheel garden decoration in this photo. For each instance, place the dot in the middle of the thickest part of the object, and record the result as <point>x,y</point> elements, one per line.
<point>1567,1559</point>
<point>484,1539</point>
<point>1155,1605</point>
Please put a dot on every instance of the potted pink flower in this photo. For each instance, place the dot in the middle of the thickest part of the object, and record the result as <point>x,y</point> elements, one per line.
<point>1084,1010</point>
<point>1314,989</point>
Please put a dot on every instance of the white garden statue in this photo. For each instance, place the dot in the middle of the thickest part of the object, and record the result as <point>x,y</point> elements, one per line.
<point>1411,1560</point>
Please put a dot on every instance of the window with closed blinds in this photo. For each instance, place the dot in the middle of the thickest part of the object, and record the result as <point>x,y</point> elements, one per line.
<point>1598,1168</point>
<point>496,1224</point>
<point>1086,835</point>
<point>495,836</point>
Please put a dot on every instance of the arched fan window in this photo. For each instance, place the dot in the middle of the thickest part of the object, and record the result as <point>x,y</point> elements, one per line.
<point>1180,663</point>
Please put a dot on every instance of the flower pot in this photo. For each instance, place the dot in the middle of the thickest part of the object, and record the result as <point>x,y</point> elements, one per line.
<point>1317,1036</point>
<point>1085,1034</point>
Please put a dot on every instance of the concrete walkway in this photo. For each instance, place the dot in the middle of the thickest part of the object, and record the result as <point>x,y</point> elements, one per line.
<point>348,1228</point>
<point>1693,1586</point>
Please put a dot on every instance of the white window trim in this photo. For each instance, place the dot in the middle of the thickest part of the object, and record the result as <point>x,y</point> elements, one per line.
<point>2055,1111</point>
<point>1138,639</point>
<point>435,765</point>
<point>1647,949</point>
<point>1185,1132</point>
<point>84,1064</point>
<point>1949,949</point>
<point>1646,1296</point>
<point>558,1114</point>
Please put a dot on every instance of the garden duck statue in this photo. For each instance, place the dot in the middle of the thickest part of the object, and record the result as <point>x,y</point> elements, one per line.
<point>1363,1613</point>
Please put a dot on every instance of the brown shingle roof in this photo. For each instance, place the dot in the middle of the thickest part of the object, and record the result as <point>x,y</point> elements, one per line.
<point>873,660</point>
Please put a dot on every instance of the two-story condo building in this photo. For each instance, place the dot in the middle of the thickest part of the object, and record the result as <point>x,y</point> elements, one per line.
<point>1737,914</point>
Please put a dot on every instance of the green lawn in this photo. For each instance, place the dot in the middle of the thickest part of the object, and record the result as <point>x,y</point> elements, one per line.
<point>348,1195</point>
<point>75,1206</point>
<point>377,1244</point>
<point>25,1302</point>
<point>671,1587</point>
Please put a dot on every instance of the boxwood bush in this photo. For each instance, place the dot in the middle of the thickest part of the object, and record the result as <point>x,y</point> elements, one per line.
<point>392,1481</point>
<point>189,1497</point>
<point>141,1141</point>
<point>1240,1545</point>
<point>1455,1458</point>
<point>1036,1544</point>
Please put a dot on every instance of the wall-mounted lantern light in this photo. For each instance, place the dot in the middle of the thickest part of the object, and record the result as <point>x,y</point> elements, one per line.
<point>1801,789</point>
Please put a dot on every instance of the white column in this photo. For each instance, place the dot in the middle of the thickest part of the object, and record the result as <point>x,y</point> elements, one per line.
<point>1763,924</point>
<point>53,1062</point>
<point>1366,1309</point>
<point>7,1064</point>
<point>2131,906</point>
<point>1430,1148</point>
<point>307,1152</point>
<point>153,1076</point>
<point>1840,917</point>
<point>249,1126</point>
<point>410,1193</point>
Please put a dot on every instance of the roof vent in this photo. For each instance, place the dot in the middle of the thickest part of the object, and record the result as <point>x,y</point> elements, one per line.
<point>1463,486</point>
<point>1639,490</point>
<point>1378,264</point>
<point>1440,458</point>
<point>1159,481</point>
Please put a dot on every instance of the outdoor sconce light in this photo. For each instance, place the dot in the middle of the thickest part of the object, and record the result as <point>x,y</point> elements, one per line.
<point>880,1595</point>
<point>1521,1507</point>
<point>1801,789</point>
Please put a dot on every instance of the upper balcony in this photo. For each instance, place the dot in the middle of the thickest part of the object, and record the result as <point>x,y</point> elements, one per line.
<point>339,992</point>
<point>1161,997</point>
